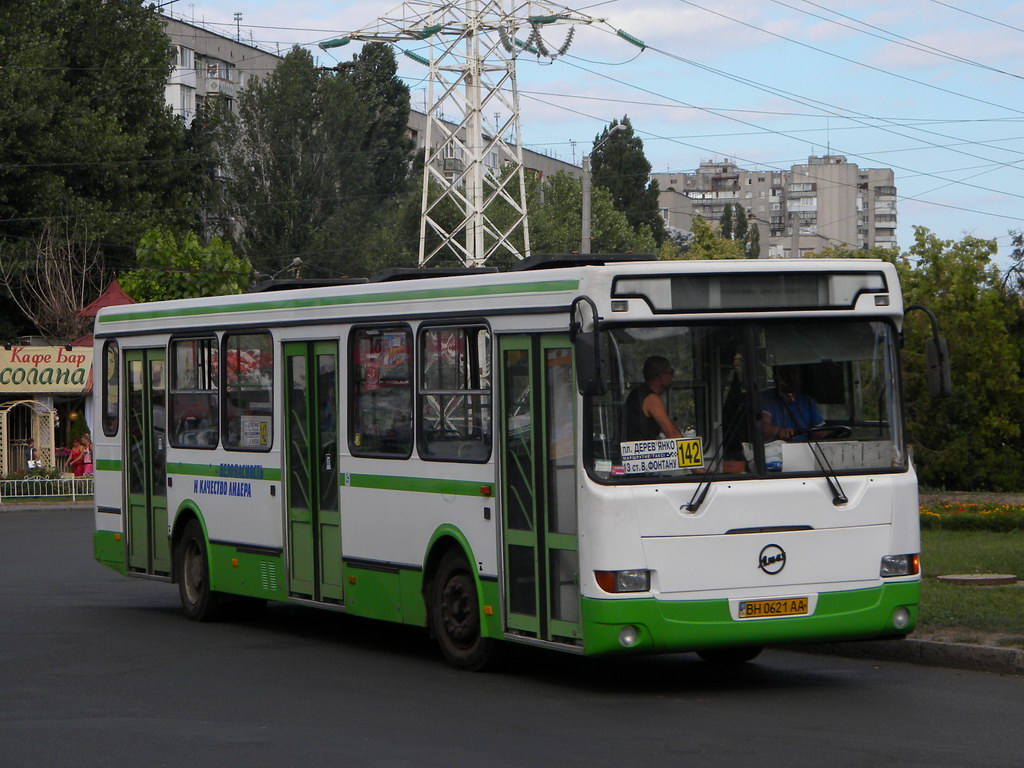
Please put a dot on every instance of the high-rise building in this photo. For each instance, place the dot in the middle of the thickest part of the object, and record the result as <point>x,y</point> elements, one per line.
<point>207,64</point>
<point>825,202</point>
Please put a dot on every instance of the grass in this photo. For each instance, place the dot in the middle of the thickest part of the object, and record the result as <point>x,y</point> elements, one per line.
<point>972,609</point>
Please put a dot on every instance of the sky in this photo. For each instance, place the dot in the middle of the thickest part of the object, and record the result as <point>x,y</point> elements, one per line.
<point>929,88</point>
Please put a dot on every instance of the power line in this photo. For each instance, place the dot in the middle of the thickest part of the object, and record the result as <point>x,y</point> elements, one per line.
<point>913,45</point>
<point>977,15</point>
<point>849,60</point>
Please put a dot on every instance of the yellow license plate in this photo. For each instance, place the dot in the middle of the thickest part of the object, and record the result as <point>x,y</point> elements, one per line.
<point>763,609</point>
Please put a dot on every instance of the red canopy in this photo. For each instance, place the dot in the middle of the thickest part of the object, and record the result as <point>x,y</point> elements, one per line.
<point>112,296</point>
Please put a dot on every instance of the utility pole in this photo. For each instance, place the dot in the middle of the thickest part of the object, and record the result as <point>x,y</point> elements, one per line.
<point>473,47</point>
<point>587,184</point>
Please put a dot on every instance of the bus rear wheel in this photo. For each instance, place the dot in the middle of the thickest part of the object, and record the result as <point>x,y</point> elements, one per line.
<point>455,615</point>
<point>199,602</point>
<point>730,655</point>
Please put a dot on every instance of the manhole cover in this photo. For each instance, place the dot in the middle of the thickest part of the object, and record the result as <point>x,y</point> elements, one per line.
<point>980,579</point>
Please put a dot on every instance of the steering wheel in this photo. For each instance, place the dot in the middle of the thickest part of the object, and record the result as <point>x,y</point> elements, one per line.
<point>833,431</point>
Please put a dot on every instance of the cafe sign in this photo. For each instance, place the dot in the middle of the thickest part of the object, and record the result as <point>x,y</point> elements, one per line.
<point>56,370</point>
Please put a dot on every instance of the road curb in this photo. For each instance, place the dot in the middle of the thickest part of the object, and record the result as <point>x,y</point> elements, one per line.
<point>932,653</point>
<point>33,506</point>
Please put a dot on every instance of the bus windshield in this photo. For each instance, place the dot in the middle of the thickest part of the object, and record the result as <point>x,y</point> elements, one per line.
<point>754,399</point>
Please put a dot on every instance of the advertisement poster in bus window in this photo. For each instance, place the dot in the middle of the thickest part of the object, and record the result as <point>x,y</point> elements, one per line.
<point>255,431</point>
<point>394,360</point>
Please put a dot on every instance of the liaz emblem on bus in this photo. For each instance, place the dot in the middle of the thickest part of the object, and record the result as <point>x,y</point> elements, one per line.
<point>661,455</point>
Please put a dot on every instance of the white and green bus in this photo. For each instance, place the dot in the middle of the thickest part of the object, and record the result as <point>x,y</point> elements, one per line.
<point>454,451</point>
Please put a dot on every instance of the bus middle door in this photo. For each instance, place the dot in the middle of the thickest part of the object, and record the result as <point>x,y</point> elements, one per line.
<point>314,519</point>
<point>539,521</point>
<point>146,462</point>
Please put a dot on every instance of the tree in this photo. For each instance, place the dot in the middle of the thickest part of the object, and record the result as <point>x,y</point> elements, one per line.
<point>171,267</point>
<point>61,279</point>
<point>621,167</point>
<point>555,208</point>
<point>706,244</point>
<point>971,440</point>
<point>318,162</point>
<point>752,245</point>
<point>725,222</point>
<point>89,147</point>
<point>84,132</point>
<point>740,228</point>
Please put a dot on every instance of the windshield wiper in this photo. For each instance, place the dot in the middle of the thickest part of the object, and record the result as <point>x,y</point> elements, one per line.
<point>838,495</point>
<point>705,484</point>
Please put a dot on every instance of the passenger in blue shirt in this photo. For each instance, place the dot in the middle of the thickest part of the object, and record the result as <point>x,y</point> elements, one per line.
<point>788,414</point>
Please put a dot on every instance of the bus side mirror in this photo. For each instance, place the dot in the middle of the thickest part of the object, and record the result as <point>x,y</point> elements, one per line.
<point>940,377</point>
<point>589,371</point>
<point>589,375</point>
<point>936,357</point>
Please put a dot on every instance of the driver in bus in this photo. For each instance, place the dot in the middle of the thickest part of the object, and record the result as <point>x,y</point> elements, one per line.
<point>787,413</point>
<point>646,415</point>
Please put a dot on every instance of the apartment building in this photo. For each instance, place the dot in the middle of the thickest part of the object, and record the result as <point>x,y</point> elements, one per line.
<point>824,202</point>
<point>207,64</point>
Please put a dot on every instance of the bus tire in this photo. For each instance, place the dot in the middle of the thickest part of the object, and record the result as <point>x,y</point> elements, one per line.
<point>192,564</point>
<point>738,655</point>
<point>455,614</point>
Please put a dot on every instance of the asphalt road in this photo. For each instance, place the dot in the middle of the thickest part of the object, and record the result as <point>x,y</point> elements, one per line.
<point>101,670</point>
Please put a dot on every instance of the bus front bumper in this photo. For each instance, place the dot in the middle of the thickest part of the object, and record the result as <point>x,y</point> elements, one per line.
<point>648,625</point>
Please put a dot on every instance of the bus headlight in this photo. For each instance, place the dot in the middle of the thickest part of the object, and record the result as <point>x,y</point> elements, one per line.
<point>624,581</point>
<point>900,565</point>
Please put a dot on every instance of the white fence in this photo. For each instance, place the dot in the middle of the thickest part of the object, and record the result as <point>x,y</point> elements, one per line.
<point>74,488</point>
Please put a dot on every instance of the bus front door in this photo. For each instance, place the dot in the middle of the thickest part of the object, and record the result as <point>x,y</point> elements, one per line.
<point>314,519</point>
<point>541,560</point>
<point>146,462</point>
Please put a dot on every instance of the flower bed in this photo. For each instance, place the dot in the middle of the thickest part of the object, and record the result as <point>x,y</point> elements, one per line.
<point>967,516</point>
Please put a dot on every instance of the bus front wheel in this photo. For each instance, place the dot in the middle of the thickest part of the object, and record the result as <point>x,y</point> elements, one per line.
<point>455,615</point>
<point>199,602</point>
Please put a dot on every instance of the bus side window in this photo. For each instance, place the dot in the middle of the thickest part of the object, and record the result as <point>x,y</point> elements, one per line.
<point>455,394</point>
<point>111,388</point>
<point>194,417</point>
<point>248,391</point>
<point>381,402</point>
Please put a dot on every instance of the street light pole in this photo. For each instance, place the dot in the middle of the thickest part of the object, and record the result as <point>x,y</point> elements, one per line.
<point>585,240</point>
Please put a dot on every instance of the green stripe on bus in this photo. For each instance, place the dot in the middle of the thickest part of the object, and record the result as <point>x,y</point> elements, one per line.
<point>108,465</point>
<point>419,484</point>
<point>213,470</point>
<point>544,286</point>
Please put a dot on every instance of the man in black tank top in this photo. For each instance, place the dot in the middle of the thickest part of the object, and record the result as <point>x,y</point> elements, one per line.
<point>645,416</point>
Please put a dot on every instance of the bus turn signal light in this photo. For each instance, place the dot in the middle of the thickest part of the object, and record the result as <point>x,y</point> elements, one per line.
<point>624,581</point>
<point>900,565</point>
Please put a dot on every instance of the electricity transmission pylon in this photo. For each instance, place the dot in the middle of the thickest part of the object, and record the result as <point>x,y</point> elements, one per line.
<point>473,46</point>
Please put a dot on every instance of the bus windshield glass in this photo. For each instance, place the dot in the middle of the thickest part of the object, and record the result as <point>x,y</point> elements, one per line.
<point>692,402</point>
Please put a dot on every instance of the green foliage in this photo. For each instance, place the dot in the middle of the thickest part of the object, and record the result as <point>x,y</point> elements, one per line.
<point>555,214</point>
<point>752,243</point>
<point>725,222</point>
<point>318,164</point>
<point>741,228</point>
<point>971,440</point>
<point>180,268</point>
<point>84,131</point>
<point>706,244</point>
<point>621,167</point>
